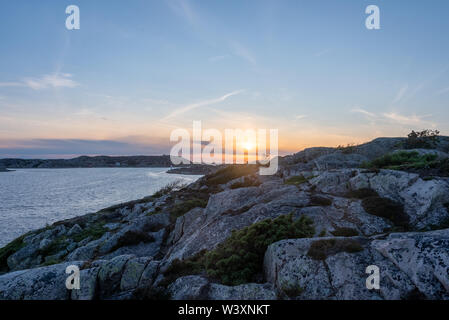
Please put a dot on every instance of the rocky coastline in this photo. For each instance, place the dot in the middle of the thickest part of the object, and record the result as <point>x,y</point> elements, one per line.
<point>308,232</point>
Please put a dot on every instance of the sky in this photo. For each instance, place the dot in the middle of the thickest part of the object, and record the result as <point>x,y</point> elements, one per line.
<point>137,70</point>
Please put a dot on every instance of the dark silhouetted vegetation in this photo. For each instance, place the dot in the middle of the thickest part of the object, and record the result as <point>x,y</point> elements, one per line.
<point>422,139</point>
<point>320,201</point>
<point>345,232</point>
<point>386,208</point>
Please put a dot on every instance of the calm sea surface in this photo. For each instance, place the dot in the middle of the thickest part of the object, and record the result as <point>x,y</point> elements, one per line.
<point>32,198</point>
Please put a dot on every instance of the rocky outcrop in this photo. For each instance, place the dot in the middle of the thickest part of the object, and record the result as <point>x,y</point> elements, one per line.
<point>393,219</point>
<point>409,264</point>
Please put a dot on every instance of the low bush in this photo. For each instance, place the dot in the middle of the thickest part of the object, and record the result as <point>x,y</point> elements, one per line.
<point>321,249</point>
<point>239,259</point>
<point>180,268</point>
<point>402,161</point>
<point>229,173</point>
<point>95,231</point>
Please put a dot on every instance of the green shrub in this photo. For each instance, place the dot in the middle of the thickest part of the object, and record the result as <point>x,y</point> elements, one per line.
<point>386,208</point>
<point>321,249</point>
<point>95,231</point>
<point>178,268</point>
<point>296,180</point>
<point>8,250</point>
<point>345,232</point>
<point>229,173</point>
<point>402,160</point>
<point>240,257</point>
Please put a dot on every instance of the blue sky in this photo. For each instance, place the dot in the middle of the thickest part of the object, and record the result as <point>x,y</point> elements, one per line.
<point>138,69</point>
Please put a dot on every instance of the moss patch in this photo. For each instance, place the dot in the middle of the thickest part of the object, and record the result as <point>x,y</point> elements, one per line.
<point>321,249</point>
<point>296,180</point>
<point>95,230</point>
<point>183,207</point>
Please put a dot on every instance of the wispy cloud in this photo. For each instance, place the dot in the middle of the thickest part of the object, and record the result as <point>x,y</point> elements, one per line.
<point>192,106</point>
<point>402,91</point>
<point>411,119</point>
<point>54,80</point>
<point>300,116</point>
<point>397,118</point>
<point>364,112</point>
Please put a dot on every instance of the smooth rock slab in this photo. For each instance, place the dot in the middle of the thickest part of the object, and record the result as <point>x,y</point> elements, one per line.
<point>45,283</point>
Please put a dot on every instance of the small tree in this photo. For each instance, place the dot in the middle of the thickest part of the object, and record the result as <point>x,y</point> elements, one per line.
<point>422,139</point>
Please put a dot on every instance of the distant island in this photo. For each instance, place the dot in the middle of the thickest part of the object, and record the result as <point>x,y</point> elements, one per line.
<point>162,161</point>
<point>89,162</point>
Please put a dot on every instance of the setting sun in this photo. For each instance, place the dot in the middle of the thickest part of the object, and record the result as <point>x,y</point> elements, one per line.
<point>248,146</point>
